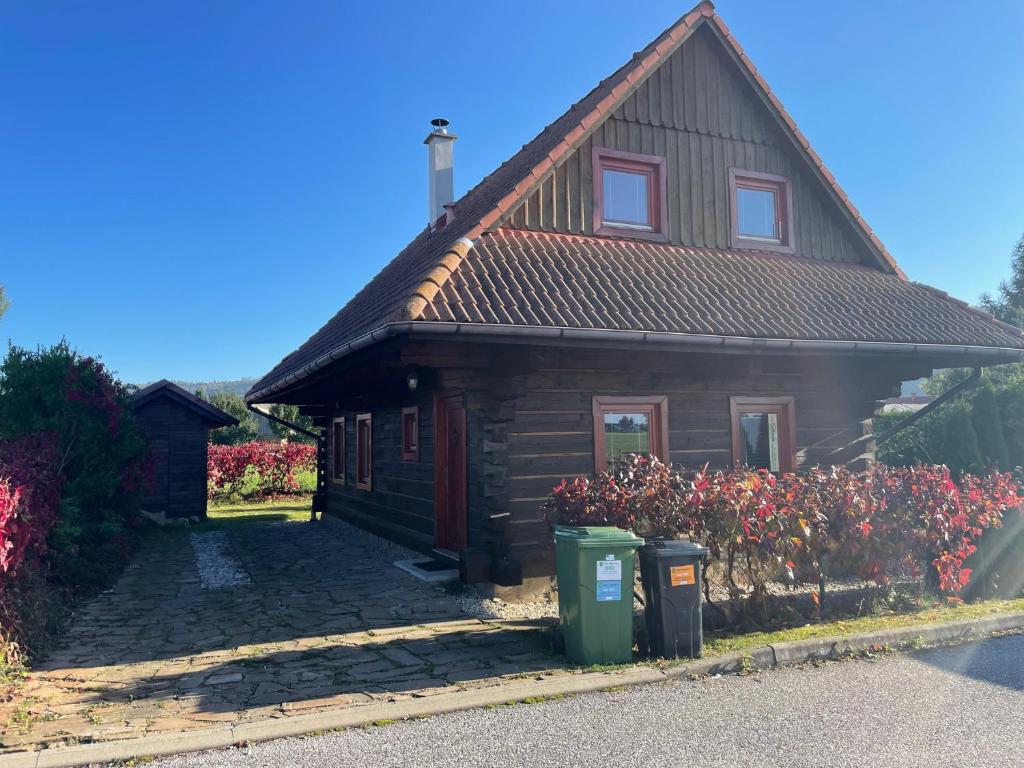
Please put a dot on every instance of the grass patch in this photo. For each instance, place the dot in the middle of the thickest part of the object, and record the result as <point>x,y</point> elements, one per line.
<point>725,643</point>
<point>542,699</point>
<point>243,513</point>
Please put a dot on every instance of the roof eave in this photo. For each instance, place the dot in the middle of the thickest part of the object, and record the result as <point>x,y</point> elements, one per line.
<point>994,355</point>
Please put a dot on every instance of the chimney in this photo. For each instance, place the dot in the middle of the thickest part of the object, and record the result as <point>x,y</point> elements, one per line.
<point>440,170</point>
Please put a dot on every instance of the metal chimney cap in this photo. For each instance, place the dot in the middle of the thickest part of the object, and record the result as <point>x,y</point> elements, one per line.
<point>439,123</point>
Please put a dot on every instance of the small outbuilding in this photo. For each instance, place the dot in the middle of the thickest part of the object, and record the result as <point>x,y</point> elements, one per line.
<point>177,424</point>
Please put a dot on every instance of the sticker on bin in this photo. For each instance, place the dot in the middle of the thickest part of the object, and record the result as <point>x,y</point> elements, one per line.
<point>609,579</point>
<point>682,575</point>
<point>609,569</point>
<point>608,591</point>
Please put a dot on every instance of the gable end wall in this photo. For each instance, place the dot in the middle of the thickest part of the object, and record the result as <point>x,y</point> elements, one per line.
<point>718,123</point>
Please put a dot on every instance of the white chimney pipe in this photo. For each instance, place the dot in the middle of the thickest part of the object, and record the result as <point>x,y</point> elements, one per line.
<point>440,170</point>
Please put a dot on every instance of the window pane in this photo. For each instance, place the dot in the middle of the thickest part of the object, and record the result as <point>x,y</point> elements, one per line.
<point>363,457</point>
<point>626,433</point>
<point>409,430</point>
<point>760,440</point>
<point>756,209</point>
<point>339,438</point>
<point>625,197</point>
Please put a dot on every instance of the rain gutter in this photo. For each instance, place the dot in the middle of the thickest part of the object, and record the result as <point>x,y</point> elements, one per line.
<point>709,341</point>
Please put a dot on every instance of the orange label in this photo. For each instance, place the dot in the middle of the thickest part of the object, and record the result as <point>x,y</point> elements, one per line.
<point>682,575</point>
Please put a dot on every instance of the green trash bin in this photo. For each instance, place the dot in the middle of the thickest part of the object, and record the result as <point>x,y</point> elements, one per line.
<point>595,592</point>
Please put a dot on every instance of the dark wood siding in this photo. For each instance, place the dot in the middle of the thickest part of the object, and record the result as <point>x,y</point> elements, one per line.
<point>698,113</point>
<point>178,443</point>
<point>551,434</point>
<point>401,504</point>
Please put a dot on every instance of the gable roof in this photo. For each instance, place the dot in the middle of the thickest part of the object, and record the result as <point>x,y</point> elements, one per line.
<point>164,388</point>
<point>404,288</point>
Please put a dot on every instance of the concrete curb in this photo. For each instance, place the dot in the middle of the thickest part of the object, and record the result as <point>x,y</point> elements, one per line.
<point>765,657</point>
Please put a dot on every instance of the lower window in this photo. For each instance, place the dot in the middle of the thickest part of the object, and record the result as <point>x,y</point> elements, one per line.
<point>624,425</point>
<point>338,451</point>
<point>411,434</point>
<point>364,451</point>
<point>763,433</point>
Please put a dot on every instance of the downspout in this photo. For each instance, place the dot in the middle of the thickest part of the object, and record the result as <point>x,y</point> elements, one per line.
<point>320,497</point>
<point>950,393</point>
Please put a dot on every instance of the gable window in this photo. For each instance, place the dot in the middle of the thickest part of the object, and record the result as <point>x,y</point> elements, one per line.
<point>761,208</point>
<point>629,194</point>
<point>411,434</point>
<point>364,451</point>
<point>629,425</point>
<point>763,433</point>
<point>338,451</point>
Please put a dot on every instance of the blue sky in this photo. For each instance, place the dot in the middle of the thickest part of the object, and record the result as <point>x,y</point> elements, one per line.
<point>190,189</point>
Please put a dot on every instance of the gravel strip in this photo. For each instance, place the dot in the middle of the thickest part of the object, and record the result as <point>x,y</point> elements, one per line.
<point>217,565</point>
<point>474,604</point>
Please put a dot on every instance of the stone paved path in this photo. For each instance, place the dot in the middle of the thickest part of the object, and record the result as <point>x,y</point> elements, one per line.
<point>326,621</point>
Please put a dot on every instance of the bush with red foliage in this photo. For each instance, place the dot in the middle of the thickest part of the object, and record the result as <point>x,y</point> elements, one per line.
<point>257,469</point>
<point>29,499</point>
<point>72,454</point>
<point>884,523</point>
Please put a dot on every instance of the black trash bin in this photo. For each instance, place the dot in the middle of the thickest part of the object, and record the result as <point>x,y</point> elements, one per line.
<point>671,575</point>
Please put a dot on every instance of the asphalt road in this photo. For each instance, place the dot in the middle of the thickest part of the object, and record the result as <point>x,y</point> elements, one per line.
<point>949,707</point>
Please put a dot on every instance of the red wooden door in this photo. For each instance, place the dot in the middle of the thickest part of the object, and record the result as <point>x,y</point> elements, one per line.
<point>450,472</point>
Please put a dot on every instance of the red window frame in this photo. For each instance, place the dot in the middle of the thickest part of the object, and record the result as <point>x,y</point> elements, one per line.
<point>765,182</point>
<point>411,433</point>
<point>785,411</point>
<point>653,166</point>
<point>656,408</point>
<point>338,457</point>
<point>364,451</point>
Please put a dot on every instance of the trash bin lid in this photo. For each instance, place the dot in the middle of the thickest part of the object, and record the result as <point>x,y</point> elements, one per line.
<point>678,547</point>
<point>597,536</point>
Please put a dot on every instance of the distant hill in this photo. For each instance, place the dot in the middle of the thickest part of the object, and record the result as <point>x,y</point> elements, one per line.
<point>208,388</point>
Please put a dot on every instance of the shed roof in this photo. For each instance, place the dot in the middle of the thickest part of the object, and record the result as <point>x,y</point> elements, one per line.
<point>164,388</point>
<point>405,289</point>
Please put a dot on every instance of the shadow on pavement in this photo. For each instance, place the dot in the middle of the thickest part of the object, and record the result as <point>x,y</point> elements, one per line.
<point>999,661</point>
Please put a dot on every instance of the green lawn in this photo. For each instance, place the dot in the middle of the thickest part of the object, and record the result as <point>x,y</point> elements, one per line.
<point>292,510</point>
<point>941,613</point>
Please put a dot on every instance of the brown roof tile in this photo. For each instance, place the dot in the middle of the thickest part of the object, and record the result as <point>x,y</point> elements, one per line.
<point>582,282</point>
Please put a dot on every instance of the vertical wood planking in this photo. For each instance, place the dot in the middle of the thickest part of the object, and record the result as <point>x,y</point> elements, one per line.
<point>698,113</point>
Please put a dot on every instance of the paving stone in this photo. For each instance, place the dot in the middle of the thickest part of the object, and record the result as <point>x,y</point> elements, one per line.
<point>401,657</point>
<point>230,677</point>
<point>370,668</point>
<point>326,623</point>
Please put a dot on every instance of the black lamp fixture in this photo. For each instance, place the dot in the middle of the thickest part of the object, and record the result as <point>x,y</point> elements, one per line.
<point>412,380</point>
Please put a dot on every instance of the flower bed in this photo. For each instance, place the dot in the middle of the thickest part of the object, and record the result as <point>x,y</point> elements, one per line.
<point>259,470</point>
<point>882,524</point>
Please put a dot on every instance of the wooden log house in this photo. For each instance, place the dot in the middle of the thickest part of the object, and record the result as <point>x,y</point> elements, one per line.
<point>668,268</point>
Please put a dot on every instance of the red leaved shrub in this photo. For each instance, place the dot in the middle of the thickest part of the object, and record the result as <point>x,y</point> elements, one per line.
<point>884,523</point>
<point>29,497</point>
<point>257,469</point>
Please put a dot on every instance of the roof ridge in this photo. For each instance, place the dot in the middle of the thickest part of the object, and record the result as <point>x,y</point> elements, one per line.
<point>436,278</point>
